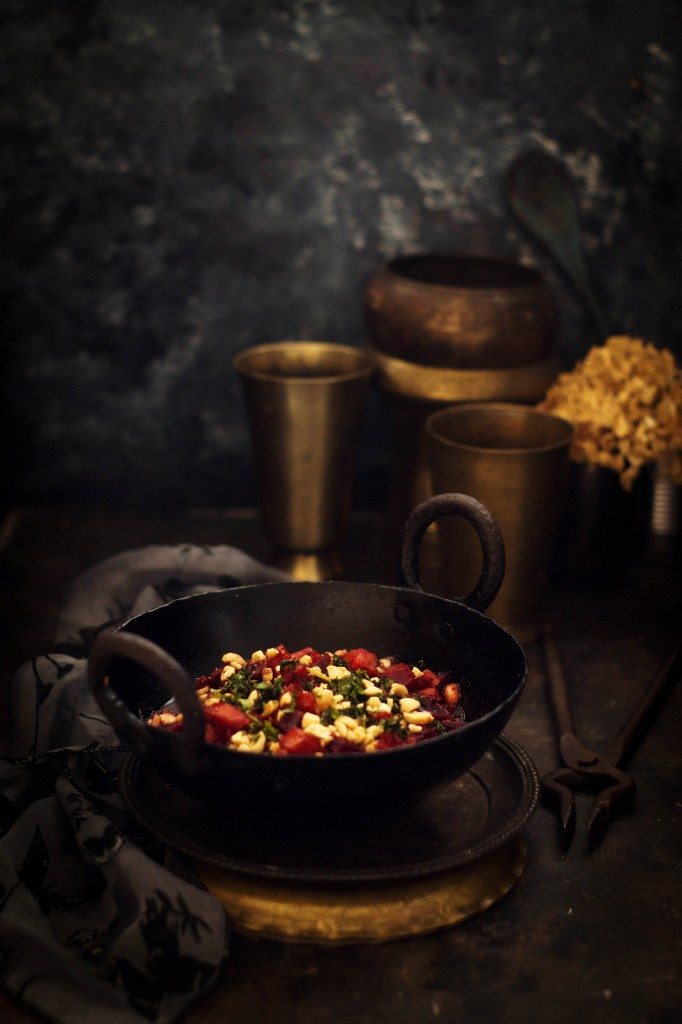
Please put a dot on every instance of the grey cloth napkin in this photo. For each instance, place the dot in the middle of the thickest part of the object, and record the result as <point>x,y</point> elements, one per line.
<point>98,920</point>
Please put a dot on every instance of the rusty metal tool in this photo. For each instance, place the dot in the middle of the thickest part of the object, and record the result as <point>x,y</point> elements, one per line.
<point>584,767</point>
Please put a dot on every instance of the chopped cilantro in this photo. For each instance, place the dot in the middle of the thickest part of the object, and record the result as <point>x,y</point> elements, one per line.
<point>239,685</point>
<point>269,691</point>
<point>352,687</point>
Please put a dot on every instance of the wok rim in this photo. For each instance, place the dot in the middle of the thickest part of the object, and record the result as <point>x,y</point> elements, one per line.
<point>401,750</point>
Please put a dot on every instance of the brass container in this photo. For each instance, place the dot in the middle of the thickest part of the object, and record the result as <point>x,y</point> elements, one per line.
<point>514,460</point>
<point>454,329</point>
<point>461,312</point>
<point>305,401</point>
<point>298,912</point>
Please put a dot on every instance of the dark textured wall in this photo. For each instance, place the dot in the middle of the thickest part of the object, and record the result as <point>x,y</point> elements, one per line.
<point>183,179</point>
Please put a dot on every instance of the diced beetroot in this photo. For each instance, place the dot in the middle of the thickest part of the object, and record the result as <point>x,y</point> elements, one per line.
<point>282,655</point>
<point>360,660</point>
<point>452,724</point>
<point>256,671</point>
<point>290,721</point>
<point>439,712</point>
<point>226,719</point>
<point>305,701</point>
<point>297,655</point>
<point>322,661</point>
<point>343,746</point>
<point>429,679</point>
<point>402,673</point>
<point>293,677</point>
<point>389,739</point>
<point>378,715</point>
<point>210,735</point>
<point>430,692</point>
<point>296,741</point>
<point>212,679</point>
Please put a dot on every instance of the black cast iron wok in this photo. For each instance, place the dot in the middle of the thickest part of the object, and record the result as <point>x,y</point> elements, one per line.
<point>165,649</point>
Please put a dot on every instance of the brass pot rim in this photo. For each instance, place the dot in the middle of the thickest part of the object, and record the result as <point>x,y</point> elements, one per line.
<point>366,361</point>
<point>532,277</point>
<point>519,452</point>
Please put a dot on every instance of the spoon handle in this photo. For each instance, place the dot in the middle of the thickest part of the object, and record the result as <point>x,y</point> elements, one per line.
<point>542,195</point>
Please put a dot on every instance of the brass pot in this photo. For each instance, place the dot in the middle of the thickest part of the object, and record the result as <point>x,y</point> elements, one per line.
<point>461,312</point>
<point>514,459</point>
<point>454,329</point>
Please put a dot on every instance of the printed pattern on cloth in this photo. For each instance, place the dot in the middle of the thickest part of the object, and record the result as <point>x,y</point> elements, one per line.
<point>98,919</point>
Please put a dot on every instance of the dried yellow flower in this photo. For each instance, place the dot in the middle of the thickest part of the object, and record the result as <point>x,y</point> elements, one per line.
<point>625,403</point>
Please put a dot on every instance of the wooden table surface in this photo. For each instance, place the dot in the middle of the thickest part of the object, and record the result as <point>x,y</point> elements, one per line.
<point>590,938</point>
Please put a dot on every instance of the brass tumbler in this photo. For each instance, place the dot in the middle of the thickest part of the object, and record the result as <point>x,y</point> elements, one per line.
<point>514,460</point>
<point>305,401</point>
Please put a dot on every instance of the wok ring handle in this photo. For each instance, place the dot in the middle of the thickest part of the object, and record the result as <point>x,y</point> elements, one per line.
<point>161,664</point>
<point>489,535</point>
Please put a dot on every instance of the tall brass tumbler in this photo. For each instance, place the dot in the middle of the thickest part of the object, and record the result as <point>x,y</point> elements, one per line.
<point>305,401</point>
<point>515,461</point>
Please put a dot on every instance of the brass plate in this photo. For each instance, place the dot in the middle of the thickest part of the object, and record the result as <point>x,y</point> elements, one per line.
<point>444,384</point>
<point>296,912</point>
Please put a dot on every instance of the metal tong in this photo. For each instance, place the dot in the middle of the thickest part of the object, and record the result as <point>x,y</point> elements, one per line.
<point>584,767</point>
